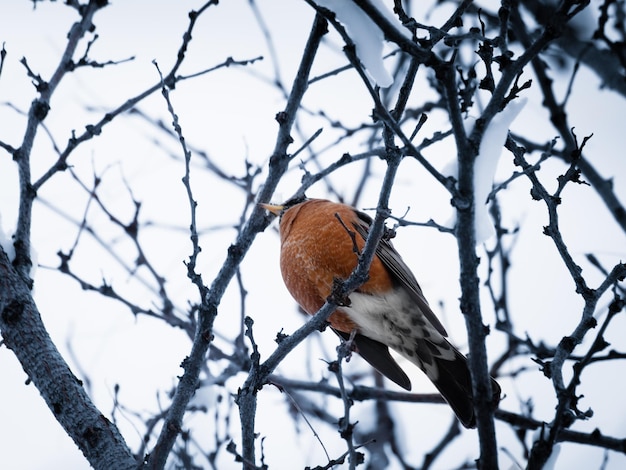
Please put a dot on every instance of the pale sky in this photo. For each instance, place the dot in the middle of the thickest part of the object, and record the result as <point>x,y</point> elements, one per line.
<point>229,113</point>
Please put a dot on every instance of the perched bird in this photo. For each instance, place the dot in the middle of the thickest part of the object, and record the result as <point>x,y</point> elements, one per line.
<point>318,240</point>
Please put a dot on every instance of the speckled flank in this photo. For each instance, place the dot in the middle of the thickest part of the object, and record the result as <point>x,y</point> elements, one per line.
<point>393,320</point>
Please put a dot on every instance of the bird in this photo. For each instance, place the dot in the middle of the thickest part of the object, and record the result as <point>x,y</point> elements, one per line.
<point>320,242</point>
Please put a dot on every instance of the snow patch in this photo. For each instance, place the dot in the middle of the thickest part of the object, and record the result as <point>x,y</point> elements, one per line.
<point>485,166</point>
<point>366,35</point>
<point>6,242</point>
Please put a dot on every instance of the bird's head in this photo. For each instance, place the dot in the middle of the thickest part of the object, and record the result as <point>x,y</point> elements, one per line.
<point>279,209</point>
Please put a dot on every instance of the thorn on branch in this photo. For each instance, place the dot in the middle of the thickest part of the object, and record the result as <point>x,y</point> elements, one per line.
<point>578,150</point>
<point>307,143</point>
<point>544,366</point>
<point>255,356</point>
<point>516,89</point>
<point>280,337</point>
<point>3,54</point>
<point>85,61</point>
<point>40,84</point>
<point>351,234</point>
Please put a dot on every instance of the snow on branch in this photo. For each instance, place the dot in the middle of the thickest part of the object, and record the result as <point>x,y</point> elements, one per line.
<point>366,35</point>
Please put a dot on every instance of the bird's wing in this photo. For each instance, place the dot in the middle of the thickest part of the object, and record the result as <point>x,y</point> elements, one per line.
<point>400,271</point>
<point>377,354</point>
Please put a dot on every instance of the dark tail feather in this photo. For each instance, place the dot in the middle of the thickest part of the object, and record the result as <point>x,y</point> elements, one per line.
<point>453,380</point>
<point>455,384</point>
<point>377,354</point>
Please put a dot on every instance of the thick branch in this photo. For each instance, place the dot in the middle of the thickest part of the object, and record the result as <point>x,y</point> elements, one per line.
<point>38,111</point>
<point>24,333</point>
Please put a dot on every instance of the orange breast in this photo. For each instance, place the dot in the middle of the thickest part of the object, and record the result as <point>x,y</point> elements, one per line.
<point>316,248</point>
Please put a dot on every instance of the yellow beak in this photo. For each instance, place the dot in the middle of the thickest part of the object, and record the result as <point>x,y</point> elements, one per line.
<point>273,208</point>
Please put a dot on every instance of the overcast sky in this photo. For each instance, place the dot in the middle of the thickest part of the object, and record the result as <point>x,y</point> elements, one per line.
<point>229,113</point>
